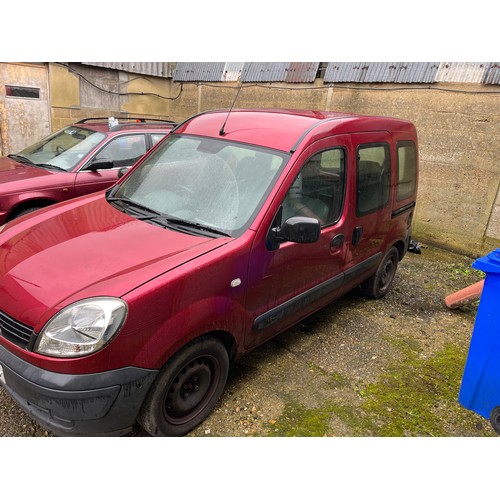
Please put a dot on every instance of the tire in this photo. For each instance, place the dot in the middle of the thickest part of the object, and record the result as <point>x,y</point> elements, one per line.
<point>186,389</point>
<point>379,284</point>
<point>25,211</point>
<point>495,419</point>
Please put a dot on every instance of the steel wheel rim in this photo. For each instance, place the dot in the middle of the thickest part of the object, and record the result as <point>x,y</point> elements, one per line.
<point>191,389</point>
<point>388,273</point>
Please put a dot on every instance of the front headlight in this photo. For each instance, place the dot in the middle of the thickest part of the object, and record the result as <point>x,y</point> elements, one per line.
<point>82,328</point>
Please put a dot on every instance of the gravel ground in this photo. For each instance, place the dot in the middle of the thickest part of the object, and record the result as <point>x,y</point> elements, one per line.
<point>359,367</point>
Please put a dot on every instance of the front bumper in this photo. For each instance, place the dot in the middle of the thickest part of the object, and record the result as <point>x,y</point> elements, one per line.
<point>98,404</point>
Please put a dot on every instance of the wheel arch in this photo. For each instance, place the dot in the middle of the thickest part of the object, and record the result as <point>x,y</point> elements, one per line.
<point>33,203</point>
<point>226,338</point>
<point>401,247</point>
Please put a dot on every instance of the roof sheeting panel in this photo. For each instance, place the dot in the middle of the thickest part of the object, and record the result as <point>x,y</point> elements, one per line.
<point>302,72</point>
<point>232,71</point>
<point>492,75</point>
<point>378,72</point>
<point>417,72</point>
<point>199,71</point>
<point>296,72</point>
<point>161,69</point>
<point>462,72</point>
<point>263,72</point>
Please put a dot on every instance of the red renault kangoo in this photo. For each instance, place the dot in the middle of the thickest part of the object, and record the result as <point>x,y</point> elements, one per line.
<point>130,304</point>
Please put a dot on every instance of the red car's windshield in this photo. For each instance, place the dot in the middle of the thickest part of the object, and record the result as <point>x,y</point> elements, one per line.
<point>215,183</point>
<point>63,149</point>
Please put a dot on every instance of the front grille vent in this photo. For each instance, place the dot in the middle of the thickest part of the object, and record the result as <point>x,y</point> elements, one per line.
<point>14,331</point>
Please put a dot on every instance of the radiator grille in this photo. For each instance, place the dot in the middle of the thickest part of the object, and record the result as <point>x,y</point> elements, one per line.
<point>14,331</point>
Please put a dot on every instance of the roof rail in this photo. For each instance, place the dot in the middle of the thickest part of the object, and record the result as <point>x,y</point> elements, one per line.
<point>134,119</point>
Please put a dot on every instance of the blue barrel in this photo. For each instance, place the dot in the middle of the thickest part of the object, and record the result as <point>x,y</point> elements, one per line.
<point>480,388</point>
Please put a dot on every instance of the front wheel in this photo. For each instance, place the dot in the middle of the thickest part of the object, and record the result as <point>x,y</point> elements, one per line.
<point>186,389</point>
<point>378,285</point>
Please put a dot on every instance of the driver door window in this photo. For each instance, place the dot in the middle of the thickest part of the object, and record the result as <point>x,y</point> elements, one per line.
<point>318,190</point>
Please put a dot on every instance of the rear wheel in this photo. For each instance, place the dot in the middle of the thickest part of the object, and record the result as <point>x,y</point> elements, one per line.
<point>378,285</point>
<point>186,389</point>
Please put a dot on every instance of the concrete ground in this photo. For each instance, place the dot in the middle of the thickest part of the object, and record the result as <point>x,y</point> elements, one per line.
<point>359,367</point>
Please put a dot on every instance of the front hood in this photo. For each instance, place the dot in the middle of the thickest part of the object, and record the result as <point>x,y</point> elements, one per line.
<point>12,171</point>
<point>84,248</point>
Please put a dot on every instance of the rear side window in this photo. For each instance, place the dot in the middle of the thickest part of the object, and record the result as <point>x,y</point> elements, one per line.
<point>318,191</point>
<point>407,170</point>
<point>373,177</point>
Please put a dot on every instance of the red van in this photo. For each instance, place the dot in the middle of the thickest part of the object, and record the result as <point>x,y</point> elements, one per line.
<point>130,305</point>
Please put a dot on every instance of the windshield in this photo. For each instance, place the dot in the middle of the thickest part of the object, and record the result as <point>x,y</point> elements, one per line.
<point>206,182</point>
<point>63,149</point>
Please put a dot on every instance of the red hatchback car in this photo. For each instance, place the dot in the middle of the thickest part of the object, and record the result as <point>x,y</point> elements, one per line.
<point>129,305</point>
<point>77,160</point>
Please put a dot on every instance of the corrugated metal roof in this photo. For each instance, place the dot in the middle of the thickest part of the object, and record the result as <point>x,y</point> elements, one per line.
<point>492,75</point>
<point>306,72</point>
<point>296,72</point>
<point>199,71</point>
<point>232,71</point>
<point>462,72</point>
<point>263,72</point>
<point>381,72</point>
<point>417,72</point>
<point>162,69</point>
<point>302,72</point>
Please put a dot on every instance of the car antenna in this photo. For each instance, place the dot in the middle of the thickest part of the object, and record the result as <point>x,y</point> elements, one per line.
<point>221,131</point>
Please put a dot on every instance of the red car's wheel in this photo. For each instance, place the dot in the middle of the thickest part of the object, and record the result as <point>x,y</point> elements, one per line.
<point>186,389</point>
<point>378,285</point>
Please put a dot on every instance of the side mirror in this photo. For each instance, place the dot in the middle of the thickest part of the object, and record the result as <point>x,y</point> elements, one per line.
<point>122,172</point>
<point>101,164</point>
<point>297,230</point>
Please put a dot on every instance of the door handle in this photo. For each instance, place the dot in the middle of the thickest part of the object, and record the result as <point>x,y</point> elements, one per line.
<point>337,242</point>
<point>356,235</point>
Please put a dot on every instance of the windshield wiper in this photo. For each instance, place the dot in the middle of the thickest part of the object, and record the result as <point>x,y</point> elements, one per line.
<point>147,213</point>
<point>21,159</point>
<point>196,226</point>
<point>27,161</point>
